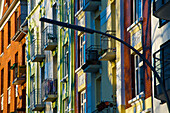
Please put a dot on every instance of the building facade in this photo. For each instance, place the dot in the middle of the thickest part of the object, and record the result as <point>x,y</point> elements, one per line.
<point>160,30</point>
<point>137,75</point>
<point>50,59</point>
<point>12,58</point>
<point>95,71</point>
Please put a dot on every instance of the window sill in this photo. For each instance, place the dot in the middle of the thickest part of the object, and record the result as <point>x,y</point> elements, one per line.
<point>64,79</point>
<point>2,54</point>
<point>79,12</point>
<point>134,24</point>
<point>8,46</point>
<point>138,97</point>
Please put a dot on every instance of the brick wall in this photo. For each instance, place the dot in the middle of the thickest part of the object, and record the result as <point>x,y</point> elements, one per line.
<point>9,55</point>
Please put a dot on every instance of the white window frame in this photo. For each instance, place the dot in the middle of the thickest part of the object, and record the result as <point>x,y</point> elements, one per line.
<point>2,101</point>
<point>82,49</point>
<point>66,60</point>
<point>9,95</point>
<point>83,101</point>
<point>66,105</point>
<point>136,8</point>
<point>138,65</point>
<point>65,10</point>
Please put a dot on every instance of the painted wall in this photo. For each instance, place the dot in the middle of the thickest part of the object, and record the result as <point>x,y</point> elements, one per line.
<point>159,36</point>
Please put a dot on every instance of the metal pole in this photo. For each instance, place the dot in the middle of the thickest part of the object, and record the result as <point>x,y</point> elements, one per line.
<point>91,31</point>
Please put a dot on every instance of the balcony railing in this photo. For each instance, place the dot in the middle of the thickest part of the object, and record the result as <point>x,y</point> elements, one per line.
<point>36,102</point>
<point>49,90</point>
<point>20,20</point>
<point>92,64</point>
<point>36,51</point>
<point>162,66</point>
<point>2,101</point>
<point>20,75</point>
<point>49,38</point>
<point>108,51</point>
<point>91,5</point>
<point>161,9</point>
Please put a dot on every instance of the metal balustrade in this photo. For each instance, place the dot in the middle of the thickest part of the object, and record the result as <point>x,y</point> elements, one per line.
<point>92,63</point>
<point>108,52</point>
<point>36,51</point>
<point>36,102</point>
<point>49,90</point>
<point>49,38</point>
<point>162,66</point>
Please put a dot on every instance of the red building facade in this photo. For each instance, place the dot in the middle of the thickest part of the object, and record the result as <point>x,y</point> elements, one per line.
<point>12,56</point>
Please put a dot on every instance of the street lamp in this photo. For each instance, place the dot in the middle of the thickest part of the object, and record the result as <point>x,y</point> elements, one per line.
<point>91,31</point>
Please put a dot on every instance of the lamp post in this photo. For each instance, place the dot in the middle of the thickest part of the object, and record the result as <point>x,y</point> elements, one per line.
<point>91,31</point>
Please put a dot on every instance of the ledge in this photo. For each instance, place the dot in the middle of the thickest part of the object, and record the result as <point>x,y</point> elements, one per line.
<point>141,95</point>
<point>2,54</point>
<point>135,23</point>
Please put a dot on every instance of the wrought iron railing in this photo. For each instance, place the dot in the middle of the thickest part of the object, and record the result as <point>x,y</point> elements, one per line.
<point>92,53</point>
<point>35,98</point>
<point>36,48</point>
<point>20,71</point>
<point>162,66</point>
<point>107,44</point>
<point>49,87</point>
<point>49,35</point>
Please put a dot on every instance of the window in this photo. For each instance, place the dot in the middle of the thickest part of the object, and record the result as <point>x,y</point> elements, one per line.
<point>80,4</point>
<point>82,49</point>
<point>15,72</point>
<point>2,81</point>
<point>33,3</point>
<point>32,82</point>
<point>65,9</point>
<point>23,54</point>
<point>2,41</point>
<point>55,11</point>
<point>137,9</point>
<point>9,73</point>
<point>83,102</point>
<point>66,60</point>
<point>16,22</point>
<point>9,32</point>
<point>98,90</point>
<point>162,66</point>
<point>138,75</point>
<point>66,105</point>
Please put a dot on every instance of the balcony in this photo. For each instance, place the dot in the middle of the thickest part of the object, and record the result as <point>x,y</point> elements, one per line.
<point>161,9</point>
<point>20,75</point>
<point>49,38</point>
<point>20,20</point>
<point>91,5</point>
<point>162,66</point>
<point>36,100</point>
<point>49,90</point>
<point>36,51</point>
<point>92,64</point>
<point>108,52</point>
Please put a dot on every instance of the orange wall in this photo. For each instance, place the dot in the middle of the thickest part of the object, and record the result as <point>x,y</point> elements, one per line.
<point>9,54</point>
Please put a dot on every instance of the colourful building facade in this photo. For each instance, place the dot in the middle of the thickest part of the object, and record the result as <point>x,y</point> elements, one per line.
<point>95,69</point>
<point>12,58</point>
